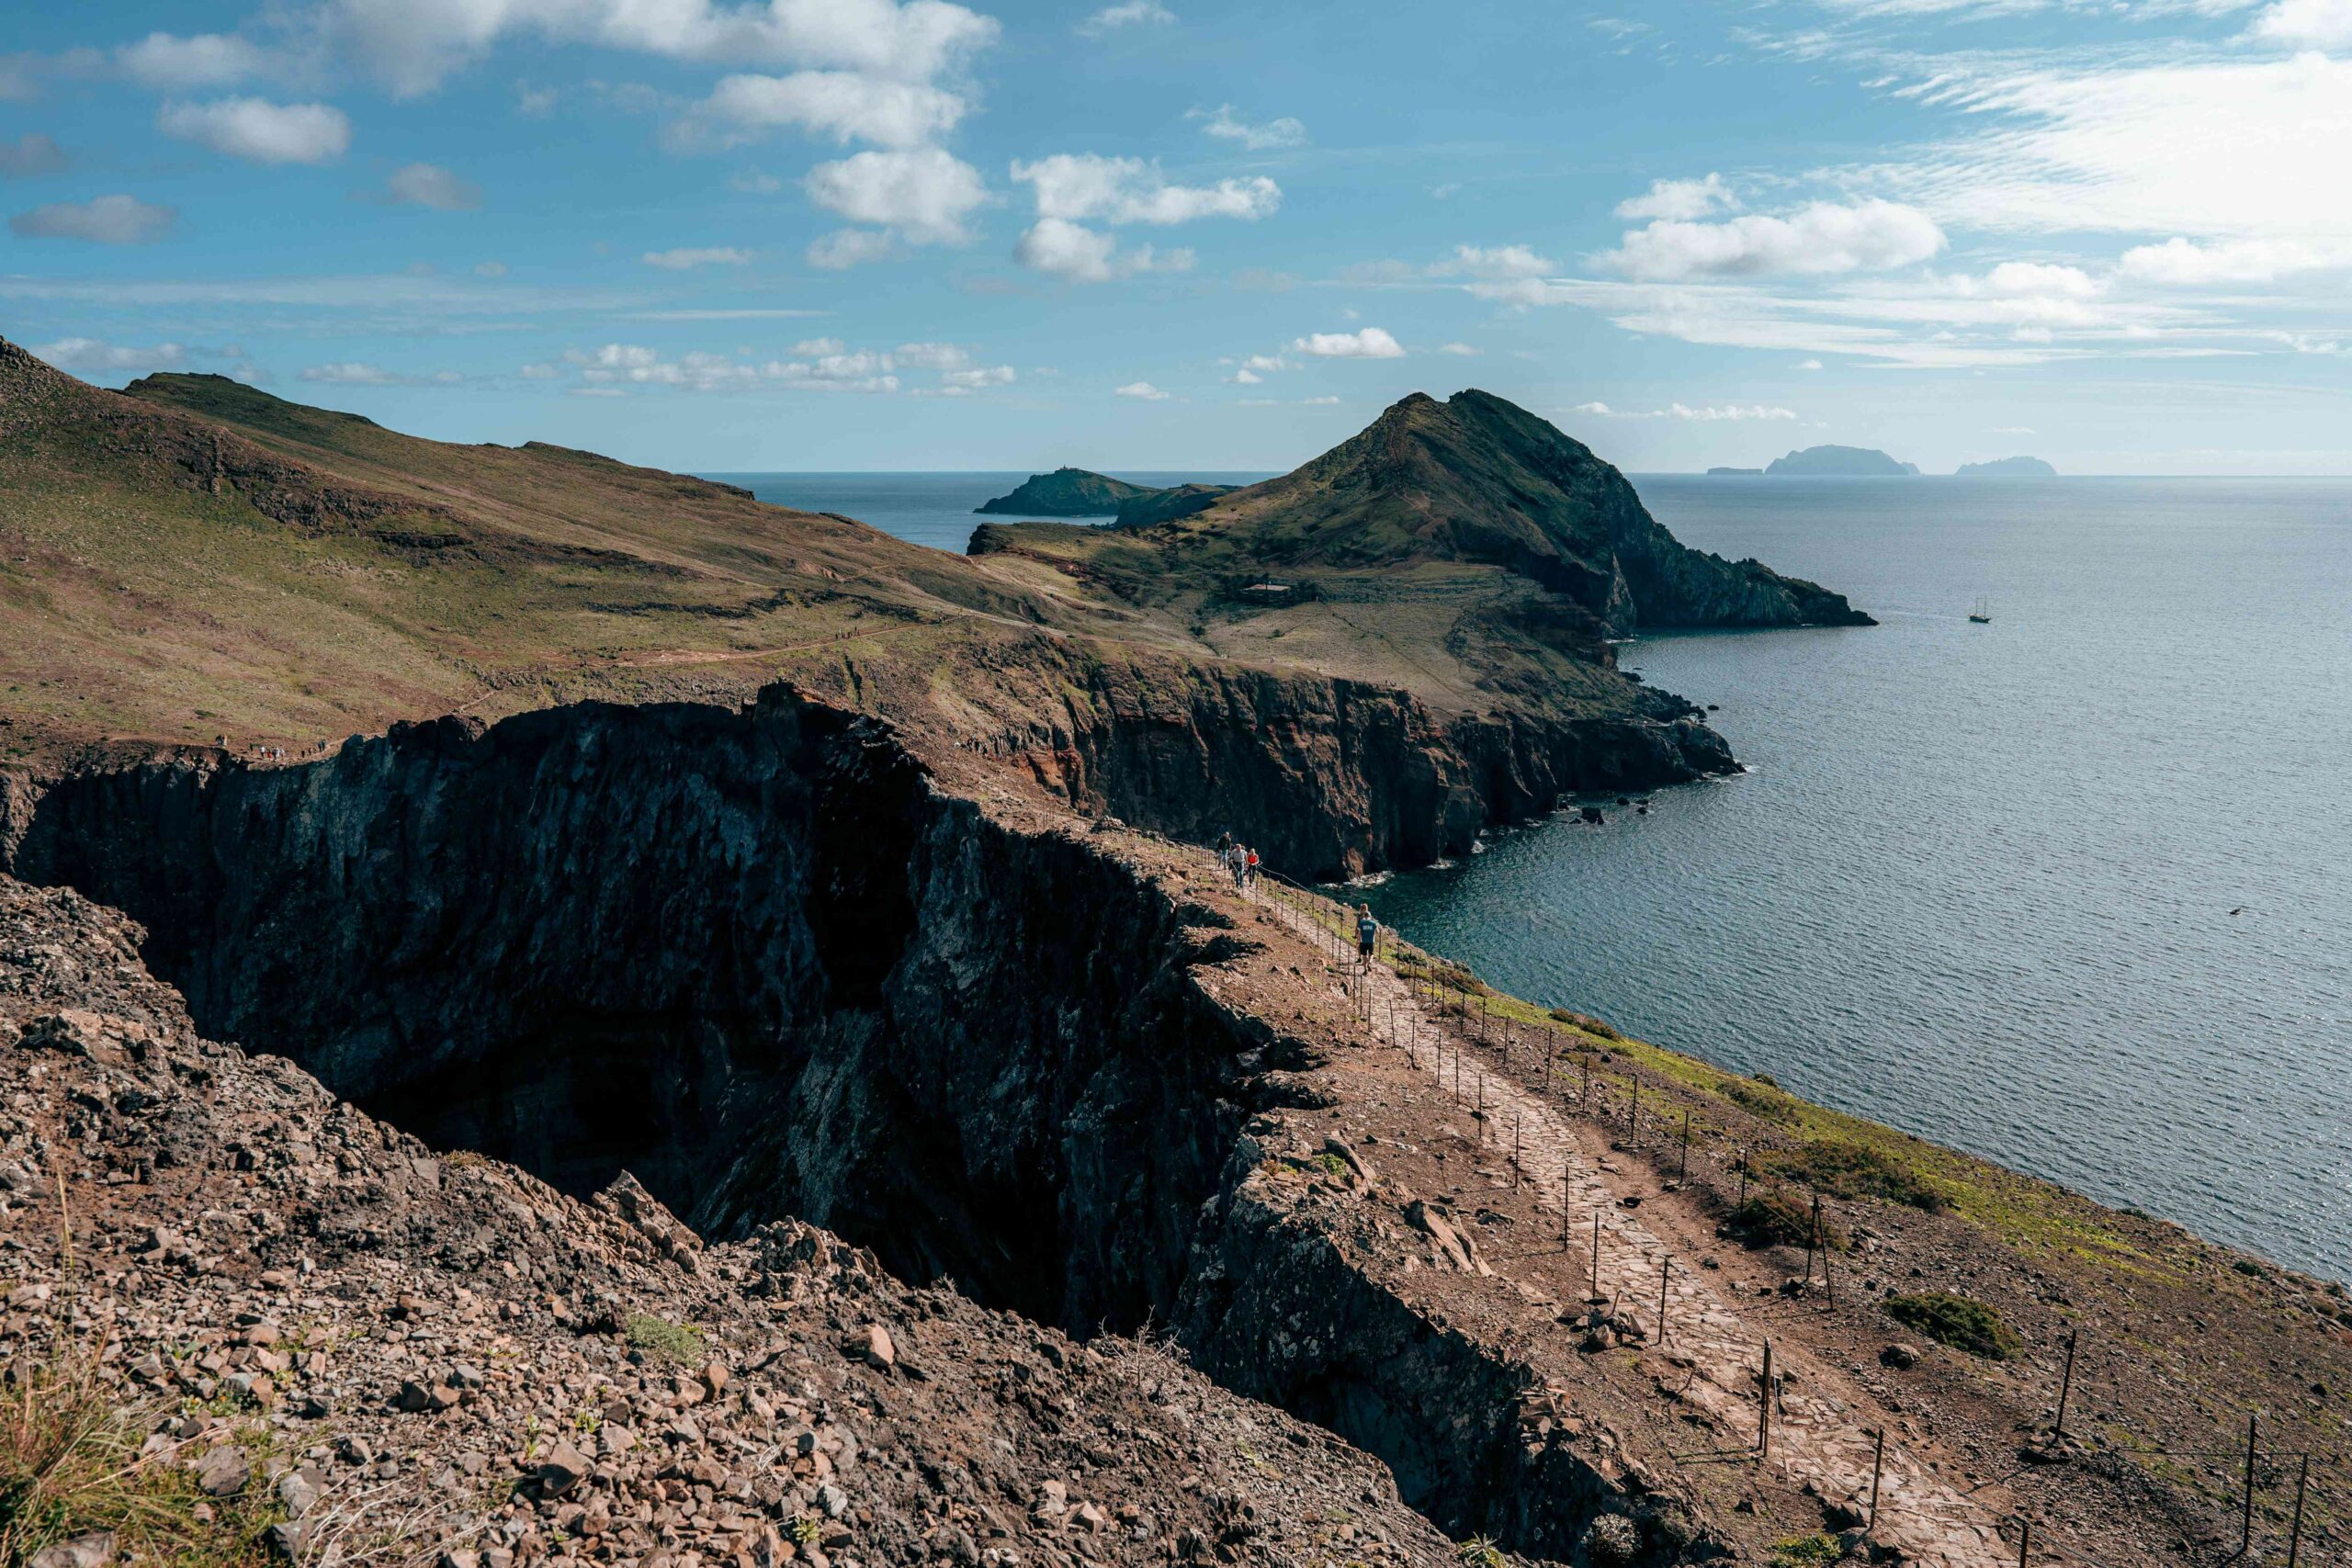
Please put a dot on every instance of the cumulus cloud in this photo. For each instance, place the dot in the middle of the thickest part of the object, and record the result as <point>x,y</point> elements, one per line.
<point>1077,187</point>
<point>1706,414</point>
<point>1076,253</point>
<point>429,184</point>
<point>846,248</point>
<point>29,155</point>
<point>925,195</point>
<point>617,365</point>
<point>109,220</point>
<point>2185,262</point>
<point>1824,237</point>
<point>207,59</point>
<point>2311,24</point>
<point>686,259</point>
<point>1225,125</point>
<point>88,356</point>
<point>846,105</point>
<point>1126,14</point>
<point>1463,349</point>
<point>1678,201</point>
<point>1143,390</point>
<point>1372,343</point>
<point>359,373</point>
<point>962,382</point>
<point>411,46</point>
<point>259,131</point>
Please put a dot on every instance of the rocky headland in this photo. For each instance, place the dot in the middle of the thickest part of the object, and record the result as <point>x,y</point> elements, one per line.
<point>2008,469</point>
<point>1067,492</point>
<point>726,1050</point>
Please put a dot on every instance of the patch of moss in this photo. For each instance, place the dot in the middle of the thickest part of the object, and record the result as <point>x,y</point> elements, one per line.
<point>1807,1552</point>
<point>1956,1320</point>
<point>1760,1097</point>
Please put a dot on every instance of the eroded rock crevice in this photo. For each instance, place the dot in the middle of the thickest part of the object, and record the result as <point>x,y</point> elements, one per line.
<point>758,959</point>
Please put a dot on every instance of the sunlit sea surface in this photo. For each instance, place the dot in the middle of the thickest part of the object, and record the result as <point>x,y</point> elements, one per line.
<point>2069,890</point>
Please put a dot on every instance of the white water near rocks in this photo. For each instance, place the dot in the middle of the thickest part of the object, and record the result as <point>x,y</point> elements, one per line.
<point>1979,884</point>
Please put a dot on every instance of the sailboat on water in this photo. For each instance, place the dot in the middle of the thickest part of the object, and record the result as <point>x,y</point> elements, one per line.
<point>1982,614</point>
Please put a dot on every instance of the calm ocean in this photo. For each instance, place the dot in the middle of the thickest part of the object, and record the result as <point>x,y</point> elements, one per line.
<point>2069,890</point>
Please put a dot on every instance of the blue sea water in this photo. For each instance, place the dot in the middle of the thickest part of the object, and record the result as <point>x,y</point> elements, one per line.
<point>1979,882</point>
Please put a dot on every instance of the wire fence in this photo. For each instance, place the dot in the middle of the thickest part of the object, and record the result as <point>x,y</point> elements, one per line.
<point>1579,1069</point>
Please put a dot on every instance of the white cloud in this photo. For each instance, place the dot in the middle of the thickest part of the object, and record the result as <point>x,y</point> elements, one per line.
<point>1143,390</point>
<point>1126,14</point>
<point>816,346</point>
<point>1265,362</point>
<point>1462,349</point>
<point>1372,343</point>
<point>977,379</point>
<point>2304,343</point>
<point>1824,237</point>
<point>353,373</point>
<point>844,104</point>
<point>2320,24</point>
<point>490,269</point>
<point>430,185</point>
<point>846,248</point>
<point>2184,262</point>
<point>109,220</point>
<point>31,155</point>
<point>412,46</point>
<point>617,364</point>
<point>1498,263</point>
<point>1076,187</point>
<point>1709,414</point>
<point>1809,365</point>
<point>260,131</point>
<point>1678,201</point>
<point>1076,253</point>
<point>1246,378</point>
<point>925,195</point>
<point>542,372</point>
<point>207,59</point>
<point>685,260</point>
<point>2225,149</point>
<point>930,355</point>
<point>1222,123</point>
<point>91,356</point>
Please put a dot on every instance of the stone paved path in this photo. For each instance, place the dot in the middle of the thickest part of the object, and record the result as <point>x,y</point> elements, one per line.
<point>1819,1435</point>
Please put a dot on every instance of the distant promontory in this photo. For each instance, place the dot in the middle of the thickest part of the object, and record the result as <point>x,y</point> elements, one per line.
<point>2008,469</point>
<point>1733,473</point>
<point>1841,462</point>
<point>1067,492</point>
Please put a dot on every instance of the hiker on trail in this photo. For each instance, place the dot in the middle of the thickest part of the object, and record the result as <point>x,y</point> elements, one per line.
<point>1236,865</point>
<point>1223,845</point>
<point>1249,872</point>
<point>1367,933</point>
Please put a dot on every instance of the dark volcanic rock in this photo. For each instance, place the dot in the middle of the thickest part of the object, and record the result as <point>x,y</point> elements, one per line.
<point>1841,462</point>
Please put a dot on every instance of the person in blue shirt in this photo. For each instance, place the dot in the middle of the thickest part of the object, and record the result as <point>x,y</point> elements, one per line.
<point>1367,932</point>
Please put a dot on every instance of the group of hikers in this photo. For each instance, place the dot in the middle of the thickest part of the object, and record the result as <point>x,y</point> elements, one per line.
<point>1240,862</point>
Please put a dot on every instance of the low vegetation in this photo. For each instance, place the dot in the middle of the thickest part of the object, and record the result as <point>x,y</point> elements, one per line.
<point>71,1466</point>
<point>1777,1217</point>
<point>1808,1552</point>
<point>664,1340</point>
<point>1956,1321</point>
<point>1846,1168</point>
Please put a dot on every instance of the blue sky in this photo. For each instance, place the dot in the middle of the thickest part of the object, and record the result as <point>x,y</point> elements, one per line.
<point>1178,233</point>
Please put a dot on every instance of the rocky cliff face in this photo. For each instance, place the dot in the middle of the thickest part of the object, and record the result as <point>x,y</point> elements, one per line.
<point>759,960</point>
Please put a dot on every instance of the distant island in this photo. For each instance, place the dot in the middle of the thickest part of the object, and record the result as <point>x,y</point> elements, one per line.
<point>1841,462</point>
<point>1067,492</point>
<point>2008,469</point>
<point>1736,472</point>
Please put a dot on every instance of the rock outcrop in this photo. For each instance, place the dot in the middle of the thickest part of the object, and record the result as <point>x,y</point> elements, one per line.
<point>1167,505</point>
<point>2008,469</point>
<point>1066,492</point>
<point>1840,462</point>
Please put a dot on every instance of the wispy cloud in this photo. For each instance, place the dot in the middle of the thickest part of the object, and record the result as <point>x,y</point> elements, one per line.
<point>1124,15</point>
<point>1707,413</point>
<point>1222,123</point>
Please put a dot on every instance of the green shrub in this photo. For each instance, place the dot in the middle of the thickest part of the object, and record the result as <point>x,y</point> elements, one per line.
<point>1479,1551</point>
<point>659,1338</point>
<point>1956,1321</point>
<point>1586,1022</point>
<point>1777,1217</point>
<point>1761,1098</point>
<point>1807,1552</point>
<point>1845,1170</point>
